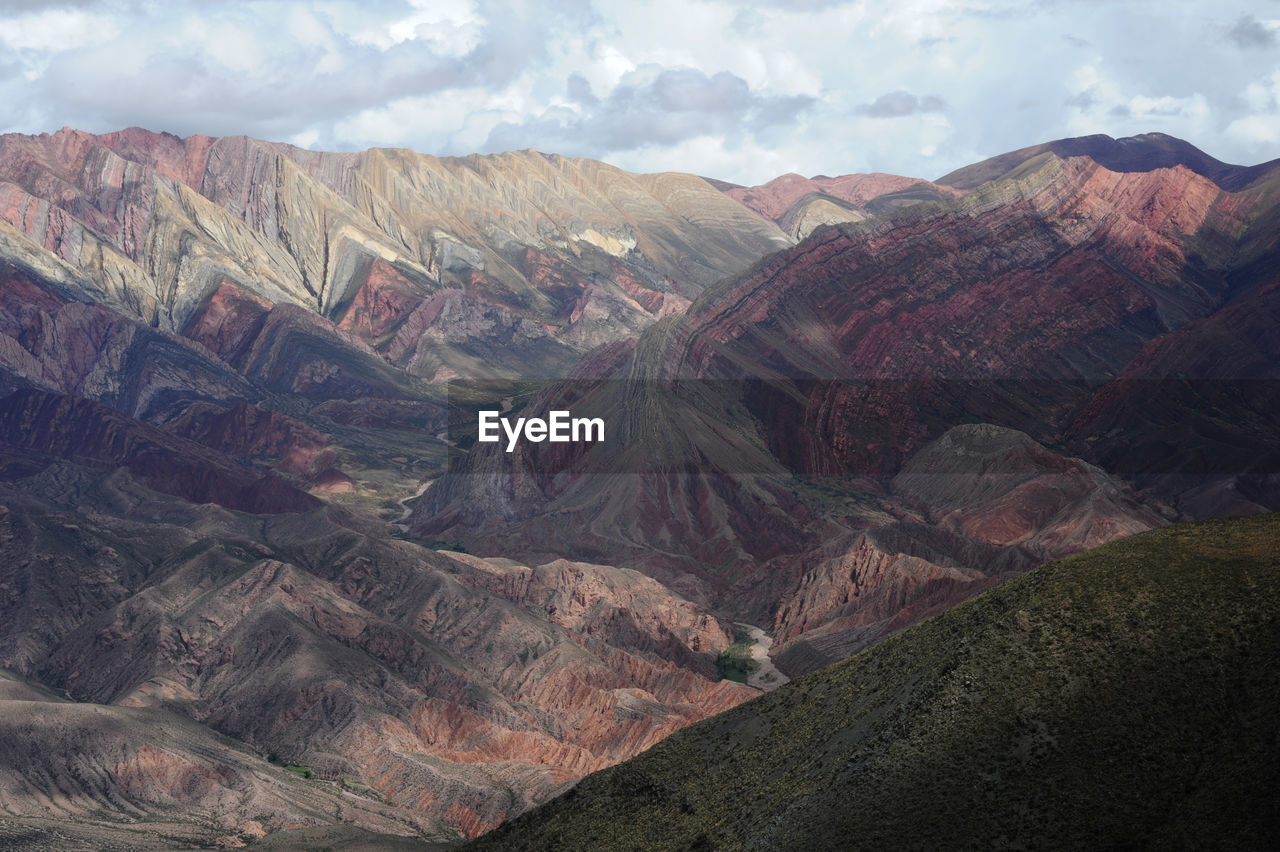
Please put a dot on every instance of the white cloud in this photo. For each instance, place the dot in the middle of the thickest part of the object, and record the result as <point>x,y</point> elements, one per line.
<point>736,90</point>
<point>1263,96</point>
<point>1256,130</point>
<point>1192,107</point>
<point>453,29</point>
<point>55,30</point>
<point>233,46</point>
<point>711,157</point>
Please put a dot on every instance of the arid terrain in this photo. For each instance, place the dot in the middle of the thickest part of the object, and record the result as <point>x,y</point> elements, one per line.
<point>260,583</point>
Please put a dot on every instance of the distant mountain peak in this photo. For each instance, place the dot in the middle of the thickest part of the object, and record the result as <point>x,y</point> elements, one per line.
<point>1142,153</point>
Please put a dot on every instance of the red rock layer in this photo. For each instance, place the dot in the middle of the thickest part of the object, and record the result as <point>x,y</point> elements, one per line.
<point>92,352</point>
<point>246,430</point>
<point>56,426</point>
<point>773,199</point>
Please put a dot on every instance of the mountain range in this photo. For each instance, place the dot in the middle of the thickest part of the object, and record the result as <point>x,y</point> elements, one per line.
<point>241,509</point>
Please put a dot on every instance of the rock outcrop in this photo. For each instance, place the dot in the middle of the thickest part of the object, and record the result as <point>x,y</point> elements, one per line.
<point>991,503</point>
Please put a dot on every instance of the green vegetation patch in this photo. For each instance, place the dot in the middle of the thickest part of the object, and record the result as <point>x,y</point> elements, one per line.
<point>735,662</point>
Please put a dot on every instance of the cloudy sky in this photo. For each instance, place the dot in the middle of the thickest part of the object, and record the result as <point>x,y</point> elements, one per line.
<point>735,90</point>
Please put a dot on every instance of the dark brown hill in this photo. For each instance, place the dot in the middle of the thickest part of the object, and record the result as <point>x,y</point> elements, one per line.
<point>1141,153</point>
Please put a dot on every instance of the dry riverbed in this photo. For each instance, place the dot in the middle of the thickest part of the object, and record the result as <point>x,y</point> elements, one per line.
<point>766,677</point>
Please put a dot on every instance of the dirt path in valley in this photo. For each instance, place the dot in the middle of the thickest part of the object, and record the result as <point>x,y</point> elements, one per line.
<point>766,677</point>
<point>406,510</point>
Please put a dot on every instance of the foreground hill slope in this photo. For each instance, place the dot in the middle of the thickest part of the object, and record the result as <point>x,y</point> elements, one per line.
<point>1121,698</point>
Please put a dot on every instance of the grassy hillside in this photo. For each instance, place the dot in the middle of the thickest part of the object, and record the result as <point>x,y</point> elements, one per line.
<point>1125,697</point>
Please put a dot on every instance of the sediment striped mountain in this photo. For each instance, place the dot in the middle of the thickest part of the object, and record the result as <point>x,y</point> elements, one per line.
<point>793,408</point>
<point>443,265</point>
